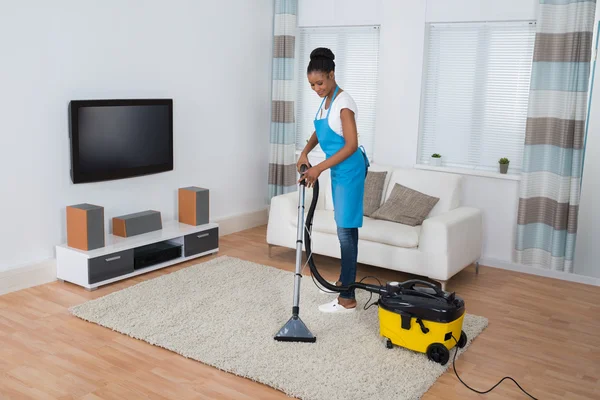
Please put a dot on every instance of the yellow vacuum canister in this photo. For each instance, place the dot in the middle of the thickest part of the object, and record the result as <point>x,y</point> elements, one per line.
<point>423,319</point>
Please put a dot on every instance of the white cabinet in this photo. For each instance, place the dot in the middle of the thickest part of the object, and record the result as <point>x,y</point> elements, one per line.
<point>122,258</point>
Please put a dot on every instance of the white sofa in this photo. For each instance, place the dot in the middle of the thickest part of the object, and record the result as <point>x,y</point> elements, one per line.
<point>449,240</point>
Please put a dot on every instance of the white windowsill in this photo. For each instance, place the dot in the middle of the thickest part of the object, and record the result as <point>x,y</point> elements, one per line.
<point>473,171</point>
<point>454,170</point>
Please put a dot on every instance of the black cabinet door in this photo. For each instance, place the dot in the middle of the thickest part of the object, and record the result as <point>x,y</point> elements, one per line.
<point>110,266</point>
<point>201,242</point>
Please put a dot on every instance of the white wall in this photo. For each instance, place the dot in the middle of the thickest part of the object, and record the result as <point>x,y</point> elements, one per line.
<point>480,10</point>
<point>339,12</point>
<point>401,62</point>
<point>215,63</point>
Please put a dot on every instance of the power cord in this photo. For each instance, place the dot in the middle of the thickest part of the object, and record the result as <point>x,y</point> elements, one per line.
<point>374,303</point>
<point>493,387</point>
<point>370,293</point>
<point>329,291</point>
<point>308,256</point>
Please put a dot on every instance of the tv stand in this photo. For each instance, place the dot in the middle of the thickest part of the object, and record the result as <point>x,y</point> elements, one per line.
<point>125,257</point>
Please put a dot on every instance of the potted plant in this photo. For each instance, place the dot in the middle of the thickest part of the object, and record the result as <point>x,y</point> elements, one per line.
<point>436,160</point>
<point>504,165</point>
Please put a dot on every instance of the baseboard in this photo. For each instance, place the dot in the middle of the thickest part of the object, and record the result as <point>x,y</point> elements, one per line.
<point>27,276</point>
<point>565,276</point>
<point>240,222</point>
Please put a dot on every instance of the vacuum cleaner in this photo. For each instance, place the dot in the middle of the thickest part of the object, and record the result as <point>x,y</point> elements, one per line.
<point>415,314</point>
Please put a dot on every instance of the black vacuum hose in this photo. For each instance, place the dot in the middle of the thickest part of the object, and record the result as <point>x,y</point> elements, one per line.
<point>307,245</point>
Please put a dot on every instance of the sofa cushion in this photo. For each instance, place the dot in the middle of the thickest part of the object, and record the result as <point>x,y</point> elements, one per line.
<point>325,183</point>
<point>382,168</point>
<point>406,206</point>
<point>380,231</point>
<point>324,221</point>
<point>391,233</point>
<point>445,186</point>
<point>374,185</point>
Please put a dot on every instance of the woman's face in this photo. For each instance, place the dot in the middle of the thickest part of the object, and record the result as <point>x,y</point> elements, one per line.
<point>321,82</point>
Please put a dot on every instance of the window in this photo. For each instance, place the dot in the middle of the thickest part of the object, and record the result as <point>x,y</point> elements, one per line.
<point>476,93</point>
<point>356,52</point>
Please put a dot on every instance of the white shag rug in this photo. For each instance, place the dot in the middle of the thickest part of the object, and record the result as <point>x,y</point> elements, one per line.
<point>226,311</point>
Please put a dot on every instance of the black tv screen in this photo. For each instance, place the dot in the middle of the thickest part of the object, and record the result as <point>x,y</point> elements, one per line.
<point>115,139</point>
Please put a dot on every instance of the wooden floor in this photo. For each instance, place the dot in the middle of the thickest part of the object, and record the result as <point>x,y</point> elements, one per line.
<point>544,333</point>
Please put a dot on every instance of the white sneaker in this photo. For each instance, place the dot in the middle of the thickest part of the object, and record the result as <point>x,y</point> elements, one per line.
<point>335,307</point>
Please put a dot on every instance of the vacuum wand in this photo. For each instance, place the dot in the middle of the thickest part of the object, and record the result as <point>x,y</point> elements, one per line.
<point>300,225</point>
<point>295,330</point>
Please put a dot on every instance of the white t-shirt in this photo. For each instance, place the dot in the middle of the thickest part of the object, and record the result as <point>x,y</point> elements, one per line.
<point>342,100</point>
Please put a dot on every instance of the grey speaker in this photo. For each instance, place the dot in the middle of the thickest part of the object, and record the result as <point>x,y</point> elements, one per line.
<point>137,223</point>
<point>194,205</point>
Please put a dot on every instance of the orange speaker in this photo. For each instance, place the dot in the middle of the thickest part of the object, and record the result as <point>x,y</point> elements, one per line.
<point>85,226</point>
<point>193,205</point>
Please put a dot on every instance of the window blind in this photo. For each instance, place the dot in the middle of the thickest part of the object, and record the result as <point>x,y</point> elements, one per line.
<point>476,93</point>
<point>356,52</point>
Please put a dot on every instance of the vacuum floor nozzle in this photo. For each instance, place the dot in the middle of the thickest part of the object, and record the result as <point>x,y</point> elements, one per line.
<point>295,331</point>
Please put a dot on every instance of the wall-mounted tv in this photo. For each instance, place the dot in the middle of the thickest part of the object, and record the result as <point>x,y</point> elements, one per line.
<point>116,139</point>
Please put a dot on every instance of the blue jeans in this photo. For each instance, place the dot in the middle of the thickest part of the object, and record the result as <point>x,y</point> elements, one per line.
<point>349,248</point>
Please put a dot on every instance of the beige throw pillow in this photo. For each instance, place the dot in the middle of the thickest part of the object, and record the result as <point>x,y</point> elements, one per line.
<point>373,191</point>
<point>406,206</point>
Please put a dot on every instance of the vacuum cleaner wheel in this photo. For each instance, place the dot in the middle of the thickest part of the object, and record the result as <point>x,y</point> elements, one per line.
<point>438,353</point>
<point>462,342</point>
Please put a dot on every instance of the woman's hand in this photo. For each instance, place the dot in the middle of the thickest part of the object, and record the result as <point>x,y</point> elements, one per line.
<point>311,175</point>
<point>303,159</point>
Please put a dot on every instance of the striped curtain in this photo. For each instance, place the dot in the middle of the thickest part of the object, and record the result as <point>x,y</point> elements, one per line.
<point>282,161</point>
<point>552,165</point>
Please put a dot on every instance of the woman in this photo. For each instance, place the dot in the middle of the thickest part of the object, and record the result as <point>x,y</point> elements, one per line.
<point>335,131</point>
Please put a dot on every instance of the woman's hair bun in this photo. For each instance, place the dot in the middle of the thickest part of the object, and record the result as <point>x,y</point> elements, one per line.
<point>321,59</point>
<point>322,52</point>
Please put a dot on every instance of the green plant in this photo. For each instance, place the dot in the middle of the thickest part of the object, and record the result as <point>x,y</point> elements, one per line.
<point>436,155</point>
<point>504,160</point>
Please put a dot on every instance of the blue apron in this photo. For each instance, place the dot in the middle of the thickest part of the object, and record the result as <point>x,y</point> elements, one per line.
<point>347,177</point>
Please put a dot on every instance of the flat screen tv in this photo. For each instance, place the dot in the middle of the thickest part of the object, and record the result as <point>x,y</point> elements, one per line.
<point>116,139</point>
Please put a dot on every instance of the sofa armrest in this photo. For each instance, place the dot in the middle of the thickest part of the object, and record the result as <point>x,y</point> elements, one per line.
<point>283,211</point>
<point>284,205</point>
<point>451,241</point>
